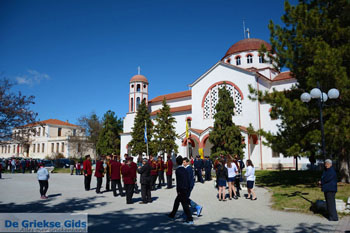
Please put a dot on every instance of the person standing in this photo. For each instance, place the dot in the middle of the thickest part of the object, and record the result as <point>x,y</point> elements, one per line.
<point>232,171</point>
<point>43,178</point>
<point>87,167</point>
<point>129,182</point>
<point>23,165</point>
<point>169,172</point>
<point>240,165</point>
<point>154,172</point>
<point>250,174</point>
<point>222,177</point>
<point>198,166</point>
<point>134,174</point>
<point>160,169</point>
<point>115,167</point>
<point>145,180</point>
<point>99,175</point>
<point>106,165</point>
<point>329,187</point>
<point>182,188</point>
<point>208,165</point>
<point>77,168</point>
<point>71,166</point>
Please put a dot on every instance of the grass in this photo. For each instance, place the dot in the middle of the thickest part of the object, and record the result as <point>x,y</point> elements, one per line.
<point>296,190</point>
<point>61,170</point>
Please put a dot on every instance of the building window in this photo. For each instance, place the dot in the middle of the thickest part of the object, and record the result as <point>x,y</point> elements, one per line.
<point>39,132</point>
<point>144,99</point>
<point>38,148</point>
<point>132,104</point>
<point>212,97</point>
<point>43,147</point>
<point>137,102</point>
<point>14,148</point>
<point>74,132</point>
<point>138,87</point>
<point>34,148</point>
<point>57,147</point>
<point>62,147</point>
<point>144,86</point>
<point>132,85</point>
<point>79,147</point>
<point>228,61</point>
<point>238,61</point>
<point>52,147</point>
<point>59,132</point>
<point>249,59</point>
<point>261,59</point>
<point>43,131</point>
<point>275,154</point>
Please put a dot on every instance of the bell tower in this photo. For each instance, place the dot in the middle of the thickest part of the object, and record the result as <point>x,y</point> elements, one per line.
<point>138,91</point>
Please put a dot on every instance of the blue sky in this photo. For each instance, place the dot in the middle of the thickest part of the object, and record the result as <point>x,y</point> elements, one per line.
<point>76,57</point>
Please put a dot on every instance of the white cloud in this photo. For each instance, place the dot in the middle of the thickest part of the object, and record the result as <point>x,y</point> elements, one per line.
<point>32,77</point>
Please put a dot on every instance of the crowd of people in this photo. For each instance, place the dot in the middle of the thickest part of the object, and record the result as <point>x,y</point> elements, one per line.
<point>15,165</point>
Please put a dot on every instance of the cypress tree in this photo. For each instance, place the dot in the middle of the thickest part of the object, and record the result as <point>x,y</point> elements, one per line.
<point>109,136</point>
<point>226,136</point>
<point>164,132</point>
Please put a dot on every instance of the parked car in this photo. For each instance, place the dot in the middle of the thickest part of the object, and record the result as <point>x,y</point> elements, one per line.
<point>61,163</point>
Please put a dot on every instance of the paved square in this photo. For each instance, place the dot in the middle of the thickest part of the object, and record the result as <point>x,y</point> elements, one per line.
<point>20,193</point>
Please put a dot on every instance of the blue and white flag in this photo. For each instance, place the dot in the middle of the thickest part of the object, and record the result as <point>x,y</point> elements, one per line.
<point>145,136</point>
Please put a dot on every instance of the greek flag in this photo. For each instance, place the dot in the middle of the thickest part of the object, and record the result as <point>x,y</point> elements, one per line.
<point>145,136</point>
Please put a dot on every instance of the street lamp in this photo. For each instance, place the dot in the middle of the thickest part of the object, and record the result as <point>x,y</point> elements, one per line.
<point>322,97</point>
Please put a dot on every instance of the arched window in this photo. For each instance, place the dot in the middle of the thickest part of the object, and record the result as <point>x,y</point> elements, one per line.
<point>238,60</point>
<point>137,103</point>
<point>249,59</point>
<point>212,97</point>
<point>138,88</point>
<point>132,104</point>
<point>228,60</point>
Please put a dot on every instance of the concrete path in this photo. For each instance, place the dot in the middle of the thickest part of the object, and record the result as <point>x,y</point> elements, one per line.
<point>20,193</point>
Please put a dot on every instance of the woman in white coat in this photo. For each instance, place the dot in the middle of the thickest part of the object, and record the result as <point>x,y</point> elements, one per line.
<point>250,175</point>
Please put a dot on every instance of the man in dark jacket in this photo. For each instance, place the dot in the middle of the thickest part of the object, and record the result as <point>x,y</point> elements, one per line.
<point>198,166</point>
<point>99,175</point>
<point>145,181</point>
<point>115,167</point>
<point>182,188</point>
<point>329,187</point>
<point>208,165</point>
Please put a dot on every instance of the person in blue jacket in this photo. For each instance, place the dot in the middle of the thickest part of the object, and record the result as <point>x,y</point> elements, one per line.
<point>329,187</point>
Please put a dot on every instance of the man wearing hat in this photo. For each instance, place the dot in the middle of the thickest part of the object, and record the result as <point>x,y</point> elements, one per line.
<point>329,187</point>
<point>145,180</point>
<point>129,180</point>
<point>87,167</point>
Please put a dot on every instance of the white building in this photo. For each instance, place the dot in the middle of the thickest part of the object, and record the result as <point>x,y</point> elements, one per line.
<point>241,66</point>
<point>47,138</point>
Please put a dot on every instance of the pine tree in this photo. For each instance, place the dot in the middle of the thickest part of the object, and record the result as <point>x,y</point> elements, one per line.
<point>109,136</point>
<point>314,45</point>
<point>226,136</point>
<point>164,132</point>
<point>137,143</point>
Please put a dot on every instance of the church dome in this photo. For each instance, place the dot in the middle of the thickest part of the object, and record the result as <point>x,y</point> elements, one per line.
<point>139,78</point>
<point>247,45</point>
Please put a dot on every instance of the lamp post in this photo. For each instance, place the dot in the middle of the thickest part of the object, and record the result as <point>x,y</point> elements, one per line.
<point>322,97</point>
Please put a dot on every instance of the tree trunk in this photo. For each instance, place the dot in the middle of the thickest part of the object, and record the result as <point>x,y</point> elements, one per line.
<point>344,167</point>
<point>296,163</point>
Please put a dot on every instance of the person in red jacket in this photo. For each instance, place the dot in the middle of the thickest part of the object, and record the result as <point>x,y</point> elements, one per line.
<point>160,168</point>
<point>134,173</point>
<point>169,172</point>
<point>154,171</point>
<point>129,180</point>
<point>87,167</point>
<point>115,167</point>
<point>99,175</point>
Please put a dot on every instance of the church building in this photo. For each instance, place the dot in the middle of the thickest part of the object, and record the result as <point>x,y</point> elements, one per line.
<point>240,66</point>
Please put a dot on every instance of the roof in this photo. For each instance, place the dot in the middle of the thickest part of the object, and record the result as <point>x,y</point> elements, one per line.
<point>283,76</point>
<point>139,78</point>
<point>176,109</point>
<point>247,45</point>
<point>171,96</point>
<point>51,122</point>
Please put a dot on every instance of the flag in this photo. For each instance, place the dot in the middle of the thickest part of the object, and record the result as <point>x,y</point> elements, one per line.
<point>186,129</point>
<point>145,136</point>
<point>201,153</point>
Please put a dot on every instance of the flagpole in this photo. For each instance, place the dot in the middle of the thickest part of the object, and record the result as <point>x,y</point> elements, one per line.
<point>145,135</point>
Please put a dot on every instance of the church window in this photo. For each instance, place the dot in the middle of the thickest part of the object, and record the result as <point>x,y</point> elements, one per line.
<point>249,59</point>
<point>132,104</point>
<point>261,59</point>
<point>228,61</point>
<point>137,102</point>
<point>138,87</point>
<point>144,86</point>
<point>212,97</point>
<point>238,60</point>
<point>132,85</point>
